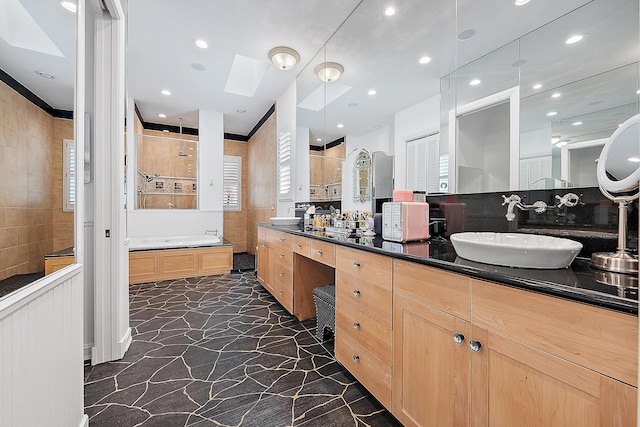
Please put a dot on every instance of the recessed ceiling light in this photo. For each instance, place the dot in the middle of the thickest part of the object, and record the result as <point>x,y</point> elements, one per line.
<point>165,92</point>
<point>556,95</point>
<point>162,115</point>
<point>372,92</point>
<point>240,110</point>
<point>466,35</point>
<point>518,63</point>
<point>45,75</point>
<point>424,60</point>
<point>574,39</point>
<point>537,86</point>
<point>634,159</point>
<point>70,6</point>
<point>521,2</point>
<point>390,11</point>
<point>552,113</point>
<point>576,123</point>
<point>202,44</point>
<point>198,67</point>
<point>340,125</point>
<point>555,139</point>
<point>475,82</point>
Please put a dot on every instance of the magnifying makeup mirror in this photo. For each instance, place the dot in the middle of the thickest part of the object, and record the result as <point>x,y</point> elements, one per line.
<point>618,173</point>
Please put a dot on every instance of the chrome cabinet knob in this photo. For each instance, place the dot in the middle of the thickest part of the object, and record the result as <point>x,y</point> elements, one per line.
<point>281,274</point>
<point>458,338</point>
<point>475,345</point>
<point>356,358</point>
<point>356,325</point>
<point>281,255</point>
<point>356,293</point>
<point>356,264</point>
<point>282,239</point>
<point>319,253</point>
<point>281,292</point>
<point>299,246</point>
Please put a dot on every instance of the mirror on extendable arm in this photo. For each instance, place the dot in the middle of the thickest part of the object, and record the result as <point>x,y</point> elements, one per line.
<point>618,173</point>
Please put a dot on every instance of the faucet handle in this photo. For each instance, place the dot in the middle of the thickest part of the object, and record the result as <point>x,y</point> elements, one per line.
<point>569,200</point>
<point>512,198</point>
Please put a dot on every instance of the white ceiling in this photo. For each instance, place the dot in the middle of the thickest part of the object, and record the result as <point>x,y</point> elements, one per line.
<point>376,51</point>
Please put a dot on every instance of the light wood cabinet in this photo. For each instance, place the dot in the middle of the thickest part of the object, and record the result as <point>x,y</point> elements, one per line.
<point>523,359</point>
<point>364,319</point>
<point>323,252</point>
<point>52,264</point>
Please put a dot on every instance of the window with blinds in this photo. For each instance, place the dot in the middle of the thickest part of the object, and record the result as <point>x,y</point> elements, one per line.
<point>284,167</point>
<point>423,164</point>
<point>232,183</point>
<point>69,171</point>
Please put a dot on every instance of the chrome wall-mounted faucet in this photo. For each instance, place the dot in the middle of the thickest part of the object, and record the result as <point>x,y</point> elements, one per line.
<point>514,201</point>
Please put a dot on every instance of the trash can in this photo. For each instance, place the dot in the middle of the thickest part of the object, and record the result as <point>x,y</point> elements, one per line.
<point>324,298</point>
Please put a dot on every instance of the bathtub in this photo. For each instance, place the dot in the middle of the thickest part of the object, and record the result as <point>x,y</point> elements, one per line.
<point>153,259</point>
<point>145,243</point>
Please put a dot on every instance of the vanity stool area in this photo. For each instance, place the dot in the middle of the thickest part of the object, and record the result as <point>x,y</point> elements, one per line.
<point>438,343</point>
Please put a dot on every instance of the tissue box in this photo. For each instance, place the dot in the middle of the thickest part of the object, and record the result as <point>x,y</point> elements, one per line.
<point>403,195</point>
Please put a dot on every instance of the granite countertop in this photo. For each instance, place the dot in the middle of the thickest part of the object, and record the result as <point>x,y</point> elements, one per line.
<point>579,282</point>
<point>61,253</point>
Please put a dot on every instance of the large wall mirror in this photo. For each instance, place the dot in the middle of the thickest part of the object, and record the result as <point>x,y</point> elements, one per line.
<point>509,84</point>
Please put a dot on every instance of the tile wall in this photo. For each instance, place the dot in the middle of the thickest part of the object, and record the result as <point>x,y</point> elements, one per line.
<point>235,223</point>
<point>28,166</point>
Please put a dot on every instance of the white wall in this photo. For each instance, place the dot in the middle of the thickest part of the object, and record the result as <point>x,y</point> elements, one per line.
<point>209,215</point>
<point>303,178</point>
<point>536,143</point>
<point>378,140</point>
<point>413,122</point>
<point>286,122</point>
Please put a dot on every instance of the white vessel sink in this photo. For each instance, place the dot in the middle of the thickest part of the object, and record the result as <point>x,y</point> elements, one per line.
<point>516,249</point>
<point>280,221</point>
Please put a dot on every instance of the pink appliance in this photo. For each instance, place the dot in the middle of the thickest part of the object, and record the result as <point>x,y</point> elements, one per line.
<point>405,221</point>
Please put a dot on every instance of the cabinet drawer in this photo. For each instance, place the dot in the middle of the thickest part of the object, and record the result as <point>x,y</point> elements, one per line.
<point>282,256</point>
<point>599,339</point>
<point>445,291</point>
<point>284,295</point>
<point>323,252</point>
<point>371,372</point>
<point>372,267</point>
<point>370,334</point>
<point>302,245</point>
<point>280,238</point>
<point>283,274</point>
<point>367,297</point>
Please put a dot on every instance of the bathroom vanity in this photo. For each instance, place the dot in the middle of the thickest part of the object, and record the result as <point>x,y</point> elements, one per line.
<point>443,341</point>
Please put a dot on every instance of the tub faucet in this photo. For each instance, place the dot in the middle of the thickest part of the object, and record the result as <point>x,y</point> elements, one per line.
<point>514,201</point>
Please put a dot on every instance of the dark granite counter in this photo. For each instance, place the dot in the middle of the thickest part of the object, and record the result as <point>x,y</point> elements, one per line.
<point>580,282</point>
<point>60,253</point>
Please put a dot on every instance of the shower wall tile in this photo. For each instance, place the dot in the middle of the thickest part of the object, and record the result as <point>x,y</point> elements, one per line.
<point>27,174</point>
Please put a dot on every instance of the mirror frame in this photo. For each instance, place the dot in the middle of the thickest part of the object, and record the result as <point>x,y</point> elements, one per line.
<point>629,183</point>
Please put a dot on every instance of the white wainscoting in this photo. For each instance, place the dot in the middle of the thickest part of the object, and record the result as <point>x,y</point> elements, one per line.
<point>41,353</point>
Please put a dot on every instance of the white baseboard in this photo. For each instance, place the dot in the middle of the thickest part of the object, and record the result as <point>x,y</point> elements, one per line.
<point>125,342</point>
<point>84,422</point>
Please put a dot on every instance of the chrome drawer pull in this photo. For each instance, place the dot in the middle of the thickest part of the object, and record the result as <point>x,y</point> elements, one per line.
<point>281,274</point>
<point>356,293</point>
<point>356,358</point>
<point>356,264</point>
<point>356,325</point>
<point>282,239</point>
<point>319,253</point>
<point>299,246</point>
<point>475,346</point>
<point>458,338</point>
<point>263,245</point>
<point>281,293</point>
<point>281,255</point>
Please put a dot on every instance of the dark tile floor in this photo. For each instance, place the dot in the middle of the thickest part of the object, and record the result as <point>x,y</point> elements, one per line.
<point>220,351</point>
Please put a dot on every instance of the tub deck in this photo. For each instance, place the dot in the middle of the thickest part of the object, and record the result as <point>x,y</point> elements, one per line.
<point>178,263</point>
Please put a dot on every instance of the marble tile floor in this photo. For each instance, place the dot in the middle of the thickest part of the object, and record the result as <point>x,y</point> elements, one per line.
<point>220,351</point>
